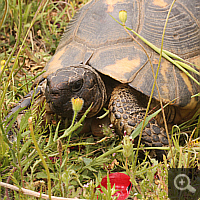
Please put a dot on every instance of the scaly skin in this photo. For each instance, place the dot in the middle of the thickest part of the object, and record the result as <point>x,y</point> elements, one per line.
<point>127,109</point>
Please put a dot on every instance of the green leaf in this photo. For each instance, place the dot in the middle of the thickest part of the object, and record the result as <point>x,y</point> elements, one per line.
<point>24,121</point>
<point>136,132</point>
<point>76,126</point>
<point>27,165</point>
<point>27,14</point>
<point>150,176</point>
<point>25,147</point>
<point>11,120</point>
<point>186,66</point>
<point>87,161</point>
<point>40,175</point>
<point>56,132</point>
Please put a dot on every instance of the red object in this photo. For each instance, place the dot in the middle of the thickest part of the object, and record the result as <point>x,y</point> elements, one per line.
<point>122,184</point>
<point>53,158</point>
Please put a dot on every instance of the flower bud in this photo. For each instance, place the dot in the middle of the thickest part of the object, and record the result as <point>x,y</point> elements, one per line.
<point>127,146</point>
<point>77,104</point>
<point>123,16</point>
<point>3,62</point>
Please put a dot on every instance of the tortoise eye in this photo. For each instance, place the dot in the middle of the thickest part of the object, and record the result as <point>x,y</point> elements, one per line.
<point>77,85</point>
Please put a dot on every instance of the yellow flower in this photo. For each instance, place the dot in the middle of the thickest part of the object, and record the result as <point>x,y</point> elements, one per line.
<point>3,62</point>
<point>123,16</point>
<point>77,104</point>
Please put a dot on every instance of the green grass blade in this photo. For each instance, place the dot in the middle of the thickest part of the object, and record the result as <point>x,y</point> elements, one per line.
<point>137,131</point>
<point>4,14</point>
<point>186,66</point>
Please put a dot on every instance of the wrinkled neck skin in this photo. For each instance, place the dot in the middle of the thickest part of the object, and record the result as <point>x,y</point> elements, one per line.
<point>75,82</point>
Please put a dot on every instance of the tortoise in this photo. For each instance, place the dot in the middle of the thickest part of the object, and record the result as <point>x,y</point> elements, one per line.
<point>96,60</point>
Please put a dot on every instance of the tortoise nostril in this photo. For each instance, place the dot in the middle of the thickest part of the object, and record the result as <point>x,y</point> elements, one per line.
<point>55,93</point>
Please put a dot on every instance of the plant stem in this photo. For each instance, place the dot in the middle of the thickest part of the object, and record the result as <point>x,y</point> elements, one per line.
<point>40,155</point>
<point>16,60</point>
<point>161,49</point>
<point>4,14</point>
<point>110,152</point>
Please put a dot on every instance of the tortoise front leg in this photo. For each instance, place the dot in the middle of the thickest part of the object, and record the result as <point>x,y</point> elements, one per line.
<point>127,109</point>
<point>37,95</point>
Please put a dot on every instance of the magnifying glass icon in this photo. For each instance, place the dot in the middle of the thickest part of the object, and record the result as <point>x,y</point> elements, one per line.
<point>183,183</point>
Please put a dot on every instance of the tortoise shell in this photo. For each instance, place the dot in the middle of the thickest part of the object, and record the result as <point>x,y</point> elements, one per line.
<point>93,37</point>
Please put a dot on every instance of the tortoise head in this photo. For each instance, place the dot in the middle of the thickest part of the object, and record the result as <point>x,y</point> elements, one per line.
<point>71,82</point>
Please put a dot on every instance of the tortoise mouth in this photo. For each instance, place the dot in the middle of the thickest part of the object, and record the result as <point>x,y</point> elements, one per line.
<point>63,110</point>
<point>59,102</point>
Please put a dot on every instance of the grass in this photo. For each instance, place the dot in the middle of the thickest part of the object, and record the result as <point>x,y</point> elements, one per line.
<point>73,166</point>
